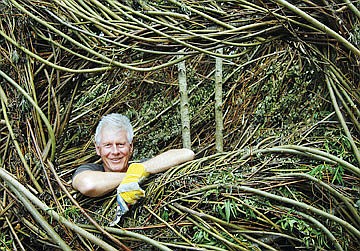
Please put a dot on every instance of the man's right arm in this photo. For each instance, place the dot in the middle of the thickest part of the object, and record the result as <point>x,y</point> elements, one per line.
<point>96,183</point>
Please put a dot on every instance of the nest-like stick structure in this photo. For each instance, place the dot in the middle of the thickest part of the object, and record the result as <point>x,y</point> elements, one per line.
<point>287,177</point>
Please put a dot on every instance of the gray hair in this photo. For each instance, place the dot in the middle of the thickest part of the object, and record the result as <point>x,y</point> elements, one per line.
<point>116,121</point>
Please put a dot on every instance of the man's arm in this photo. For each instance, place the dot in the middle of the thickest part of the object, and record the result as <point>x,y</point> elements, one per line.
<point>168,159</point>
<point>97,183</point>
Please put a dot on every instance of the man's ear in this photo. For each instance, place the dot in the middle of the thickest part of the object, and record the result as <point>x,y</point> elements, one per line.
<point>131,147</point>
<point>97,148</point>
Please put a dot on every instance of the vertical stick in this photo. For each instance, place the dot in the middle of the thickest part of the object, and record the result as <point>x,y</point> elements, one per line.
<point>184,105</point>
<point>219,145</point>
<point>342,119</point>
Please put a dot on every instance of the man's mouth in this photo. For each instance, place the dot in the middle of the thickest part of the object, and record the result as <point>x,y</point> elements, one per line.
<point>115,160</point>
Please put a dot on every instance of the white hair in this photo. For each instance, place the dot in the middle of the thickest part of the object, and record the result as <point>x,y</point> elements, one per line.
<point>116,121</point>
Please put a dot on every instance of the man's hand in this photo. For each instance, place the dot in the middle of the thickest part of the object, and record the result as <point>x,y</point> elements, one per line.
<point>129,188</point>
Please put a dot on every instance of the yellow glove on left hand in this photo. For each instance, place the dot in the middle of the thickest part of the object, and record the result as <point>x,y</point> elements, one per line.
<point>135,173</point>
<point>129,188</point>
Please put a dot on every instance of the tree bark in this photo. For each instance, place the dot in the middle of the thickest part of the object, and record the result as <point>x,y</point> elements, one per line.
<point>219,139</point>
<point>184,105</point>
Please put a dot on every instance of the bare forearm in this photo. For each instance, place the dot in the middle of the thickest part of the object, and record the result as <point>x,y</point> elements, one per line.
<point>168,159</point>
<point>95,183</point>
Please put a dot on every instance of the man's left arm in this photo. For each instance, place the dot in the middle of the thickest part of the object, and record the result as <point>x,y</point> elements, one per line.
<point>168,159</point>
<point>129,188</point>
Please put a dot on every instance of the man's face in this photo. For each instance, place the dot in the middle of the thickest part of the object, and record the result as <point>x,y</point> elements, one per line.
<point>114,149</point>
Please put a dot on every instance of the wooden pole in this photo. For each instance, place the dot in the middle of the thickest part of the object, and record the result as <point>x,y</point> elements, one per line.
<point>219,139</point>
<point>184,105</point>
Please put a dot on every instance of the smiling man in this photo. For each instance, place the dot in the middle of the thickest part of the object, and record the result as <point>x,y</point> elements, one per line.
<point>115,148</point>
<point>113,142</point>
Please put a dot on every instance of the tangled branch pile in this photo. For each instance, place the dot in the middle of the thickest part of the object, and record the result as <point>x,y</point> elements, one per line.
<point>288,178</point>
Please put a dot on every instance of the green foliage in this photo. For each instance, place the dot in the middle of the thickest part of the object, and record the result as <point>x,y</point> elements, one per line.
<point>338,145</point>
<point>5,242</point>
<point>201,236</point>
<point>227,210</point>
<point>198,100</point>
<point>92,92</point>
<point>355,34</point>
<point>163,129</point>
<point>286,94</point>
<point>24,105</point>
<point>223,176</point>
<point>71,212</point>
<point>247,208</point>
<point>165,214</point>
<point>337,172</point>
<point>311,236</point>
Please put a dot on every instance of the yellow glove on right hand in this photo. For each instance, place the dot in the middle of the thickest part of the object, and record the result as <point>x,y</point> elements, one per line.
<point>129,188</point>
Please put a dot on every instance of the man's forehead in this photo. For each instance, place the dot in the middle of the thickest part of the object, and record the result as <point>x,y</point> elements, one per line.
<point>113,129</point>
<point>112,133</point>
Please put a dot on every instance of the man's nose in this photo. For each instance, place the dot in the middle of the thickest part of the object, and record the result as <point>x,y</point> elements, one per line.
<point>115,149</point>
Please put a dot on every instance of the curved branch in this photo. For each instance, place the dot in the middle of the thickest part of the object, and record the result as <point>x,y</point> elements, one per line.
<point>320,26</point>
<point>52,213</point>
<point>341,118</point>
<point>39,218</point>
<point>38,109</point>
<point>302,205</point>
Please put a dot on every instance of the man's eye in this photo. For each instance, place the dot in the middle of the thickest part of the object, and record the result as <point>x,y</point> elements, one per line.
<point>107,145</point>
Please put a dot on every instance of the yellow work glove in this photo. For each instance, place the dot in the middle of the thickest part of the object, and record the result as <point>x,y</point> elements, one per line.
<point>129,188</point>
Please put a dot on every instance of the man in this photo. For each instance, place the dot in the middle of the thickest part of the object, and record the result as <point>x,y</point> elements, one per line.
<point>113,142</point>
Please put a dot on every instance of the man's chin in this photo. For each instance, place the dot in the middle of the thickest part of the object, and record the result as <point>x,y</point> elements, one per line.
<point>116,168</point>
<point>119,170</point>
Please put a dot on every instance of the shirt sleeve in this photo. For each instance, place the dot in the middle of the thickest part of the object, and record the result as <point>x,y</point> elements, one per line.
<point>89,167</point>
